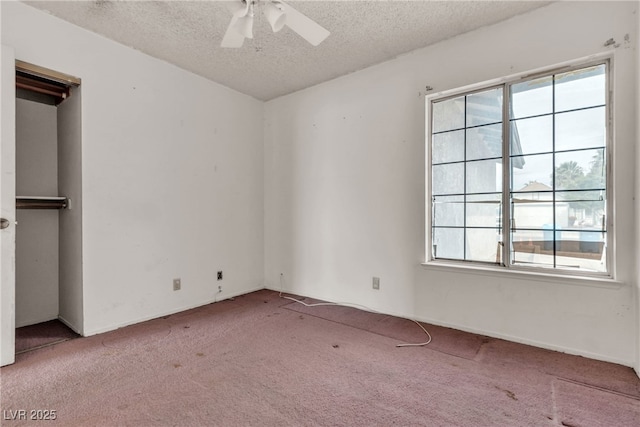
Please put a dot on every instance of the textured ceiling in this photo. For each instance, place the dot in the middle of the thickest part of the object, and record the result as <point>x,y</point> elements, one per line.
<point>363,33</point>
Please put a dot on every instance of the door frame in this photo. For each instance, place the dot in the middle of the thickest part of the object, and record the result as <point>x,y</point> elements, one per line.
<point>7,205</point>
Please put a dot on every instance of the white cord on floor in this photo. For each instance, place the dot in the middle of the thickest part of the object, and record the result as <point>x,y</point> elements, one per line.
<point>362,307</point>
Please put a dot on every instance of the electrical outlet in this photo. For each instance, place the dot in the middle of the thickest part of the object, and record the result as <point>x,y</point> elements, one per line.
<point>176,284</point>
<point>219,275</point>
<point>376,283</point>
<point>219,289</point>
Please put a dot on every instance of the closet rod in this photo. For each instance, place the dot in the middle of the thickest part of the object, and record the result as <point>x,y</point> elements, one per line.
<point>41,202</point>
<point>47,89</point>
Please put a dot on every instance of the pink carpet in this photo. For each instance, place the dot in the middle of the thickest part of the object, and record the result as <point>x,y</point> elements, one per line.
<point>260,360</point>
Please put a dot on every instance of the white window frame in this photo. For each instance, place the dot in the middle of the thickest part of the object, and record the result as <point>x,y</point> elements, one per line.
<point>505,83</point>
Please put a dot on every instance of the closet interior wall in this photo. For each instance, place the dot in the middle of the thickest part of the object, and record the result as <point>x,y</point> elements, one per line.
<point>49,240</point>
<point>37,232</point>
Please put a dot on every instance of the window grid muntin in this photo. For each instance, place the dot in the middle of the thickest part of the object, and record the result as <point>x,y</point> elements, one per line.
<point>553,170</point>
<point>476,126</point>
<point>464,180</point>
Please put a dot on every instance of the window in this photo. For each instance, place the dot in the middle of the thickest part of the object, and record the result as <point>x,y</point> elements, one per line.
<point>533,151</point>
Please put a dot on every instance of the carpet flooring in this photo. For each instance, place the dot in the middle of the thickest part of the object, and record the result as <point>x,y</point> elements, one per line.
<point>260,360</point>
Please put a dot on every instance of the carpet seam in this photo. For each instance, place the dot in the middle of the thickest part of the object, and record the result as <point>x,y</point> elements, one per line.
<point>43,346</point>
<point>595,387</point>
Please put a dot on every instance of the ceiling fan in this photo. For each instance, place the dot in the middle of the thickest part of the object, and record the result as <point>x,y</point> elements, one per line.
<point>278,15</point>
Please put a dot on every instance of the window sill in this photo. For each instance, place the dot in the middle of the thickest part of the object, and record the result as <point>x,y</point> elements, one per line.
<point>452,267</point>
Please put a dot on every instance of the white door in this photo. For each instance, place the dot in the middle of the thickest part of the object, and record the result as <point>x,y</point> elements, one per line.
<point>7,206</point>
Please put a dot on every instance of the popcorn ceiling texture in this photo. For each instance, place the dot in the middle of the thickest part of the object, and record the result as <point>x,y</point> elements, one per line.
<point>363,33</point>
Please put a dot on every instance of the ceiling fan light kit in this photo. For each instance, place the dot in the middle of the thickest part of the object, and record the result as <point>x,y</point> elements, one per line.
<point>278,14</point>
<point>275,16</point>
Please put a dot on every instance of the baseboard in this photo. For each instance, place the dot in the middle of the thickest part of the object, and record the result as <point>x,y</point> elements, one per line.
<point>167,313</point>
<point>70,325</point>
<point>492,334</point>
<point>533,343</point>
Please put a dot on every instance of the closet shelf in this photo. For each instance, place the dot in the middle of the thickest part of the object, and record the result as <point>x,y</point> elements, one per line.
<point>41,202</point>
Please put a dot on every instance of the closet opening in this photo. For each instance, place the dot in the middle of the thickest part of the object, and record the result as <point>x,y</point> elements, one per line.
<point>48,260</point>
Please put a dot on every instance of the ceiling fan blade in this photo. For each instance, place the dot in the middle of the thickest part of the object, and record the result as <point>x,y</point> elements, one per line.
<point>306,27</point>
<point>232,38</point>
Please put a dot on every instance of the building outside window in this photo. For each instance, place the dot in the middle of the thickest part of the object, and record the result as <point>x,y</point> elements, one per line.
<point>533,151</point>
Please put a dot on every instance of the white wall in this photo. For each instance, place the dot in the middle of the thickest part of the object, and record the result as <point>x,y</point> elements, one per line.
<point>172,168</point>
<point>344,189</point>
<point>37,230</point>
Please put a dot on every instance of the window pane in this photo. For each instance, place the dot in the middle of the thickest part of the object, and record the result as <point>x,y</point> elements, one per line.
<point>532,173</point>
<point>531,136</point>
<point>580,210</point>
<point>530,253</point>
<point>535,247</point>
<point>448,211</point>
<point>484,176</point>
<point>484,107</point>
<point>484,210</point>
<point>448,179</point>
<point>448,147</point>
<point>580,88</point>
<point>531,98</point>
<point>448,243</point>
<point>531,211</point>
<point>484,142</point>
<point>577,170</point>
<point>580,129</point>
<point>482,245</point>
<point>448,115</point>
<point>581,251</point>
<point>580,215</point>
<point>591,242</point>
